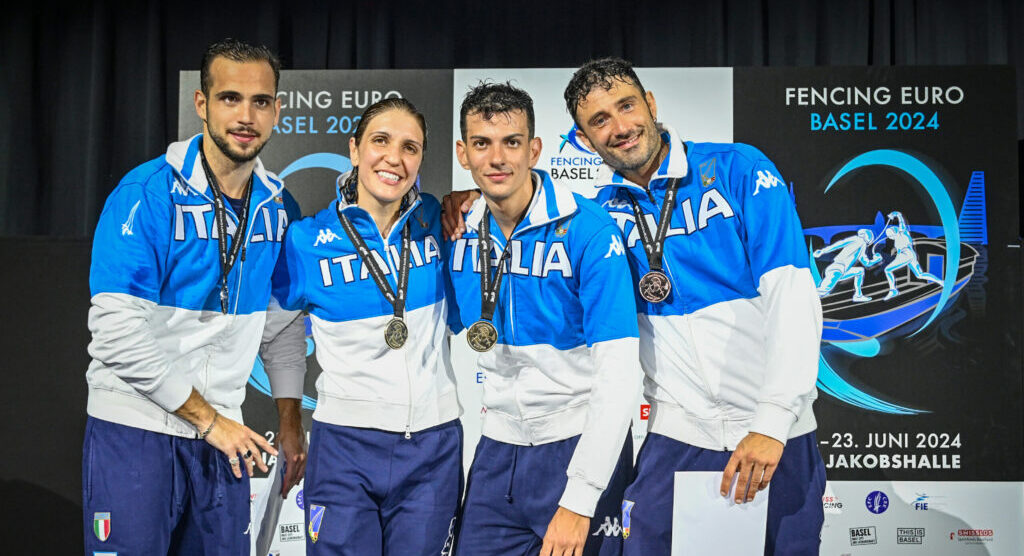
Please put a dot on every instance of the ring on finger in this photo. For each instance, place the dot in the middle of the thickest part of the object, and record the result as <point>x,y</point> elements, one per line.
<point>247,454</point>
<point>233,461</point>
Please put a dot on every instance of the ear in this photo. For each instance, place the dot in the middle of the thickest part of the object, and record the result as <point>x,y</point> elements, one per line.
<point>653,104</point>
<point>460,153</point>
<point>199,99</point>
<point>583,137</point>
<point>353,151</point>
<point>277,109</point>
<point>535,148</point>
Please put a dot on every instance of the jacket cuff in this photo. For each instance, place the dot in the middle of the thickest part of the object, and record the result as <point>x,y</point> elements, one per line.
<point>287,383</point>
<point>580,497</point>
<point>171,394</point>
<point>772,420</point>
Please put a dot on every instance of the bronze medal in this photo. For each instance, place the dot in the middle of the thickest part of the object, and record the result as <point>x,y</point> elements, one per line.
<point>655,286</point>
<point>396,333</point>
<point>482,336</point>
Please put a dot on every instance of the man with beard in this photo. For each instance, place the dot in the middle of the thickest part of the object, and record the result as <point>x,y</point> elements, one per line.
<point>730,322</point>
<point>181,279</point>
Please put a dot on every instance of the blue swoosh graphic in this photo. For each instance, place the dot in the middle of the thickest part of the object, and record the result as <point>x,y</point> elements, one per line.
<point>834,385</point>
<point>329,161</point>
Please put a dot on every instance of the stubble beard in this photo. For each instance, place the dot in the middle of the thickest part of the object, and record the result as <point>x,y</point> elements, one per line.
<point>225,147</point>
<point>640,160</point>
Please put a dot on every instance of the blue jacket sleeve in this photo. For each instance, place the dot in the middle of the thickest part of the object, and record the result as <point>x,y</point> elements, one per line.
<point>288,279</point>
<point>773,234</point>
<point>131,244</point>
<point>610,327</point>
<point>779,266</point>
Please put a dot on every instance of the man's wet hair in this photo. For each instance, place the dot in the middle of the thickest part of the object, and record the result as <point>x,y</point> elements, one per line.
<point>488,99</point>
<point>599,73</point>
<point>236,51</point>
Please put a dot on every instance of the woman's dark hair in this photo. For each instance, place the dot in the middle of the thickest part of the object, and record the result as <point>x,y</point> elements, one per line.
<point>382,106</point>
<point>371,112</point>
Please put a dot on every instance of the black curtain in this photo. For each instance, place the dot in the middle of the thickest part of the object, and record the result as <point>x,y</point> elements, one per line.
<point>89,90</point>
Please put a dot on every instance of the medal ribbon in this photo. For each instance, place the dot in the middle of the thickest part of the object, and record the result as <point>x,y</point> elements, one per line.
<point>220,212</point>
<point>489,290</point>
<point>397,299</point>
<point>655,246</point>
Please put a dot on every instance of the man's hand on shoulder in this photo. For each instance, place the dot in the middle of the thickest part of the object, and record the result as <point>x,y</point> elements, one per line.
<point>454,206</point>
<point>566,534</point>
<point>753,463</point>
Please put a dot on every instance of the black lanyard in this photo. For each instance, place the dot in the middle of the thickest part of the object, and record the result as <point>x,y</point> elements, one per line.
<point>397,299</point>
<point>489,289</point>
<point>655,246</point>
<point>220,216</point>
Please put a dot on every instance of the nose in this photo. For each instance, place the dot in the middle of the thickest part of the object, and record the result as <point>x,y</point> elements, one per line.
<point>247,115</point>
<point>620,128</point>
<point>393,154</point>
<point>497,157</point>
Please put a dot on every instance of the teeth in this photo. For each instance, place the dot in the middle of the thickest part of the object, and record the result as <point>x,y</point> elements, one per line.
<point>388,175</point>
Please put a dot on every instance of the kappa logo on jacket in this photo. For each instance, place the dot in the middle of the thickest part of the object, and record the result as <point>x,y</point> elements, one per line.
<point>610,528</point>
<point>615,248</point>
<point>191,221</point>
<point>766,180</point>
<point>546,258</point>
<point>329,267</point>
<point>712,204</point>
<point>324,236</point>
<point>180,188</point>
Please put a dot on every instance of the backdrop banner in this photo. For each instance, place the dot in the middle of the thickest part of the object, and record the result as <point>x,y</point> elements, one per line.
<point>905,179</point>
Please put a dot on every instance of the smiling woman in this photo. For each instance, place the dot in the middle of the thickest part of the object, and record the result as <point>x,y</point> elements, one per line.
<point>388,143</point>
<point>386,443</point>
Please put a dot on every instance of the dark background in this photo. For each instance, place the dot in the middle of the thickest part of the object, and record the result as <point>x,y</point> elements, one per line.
<point>89,90</point>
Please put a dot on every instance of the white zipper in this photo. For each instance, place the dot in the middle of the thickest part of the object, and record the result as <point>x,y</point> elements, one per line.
<point>394,274</point>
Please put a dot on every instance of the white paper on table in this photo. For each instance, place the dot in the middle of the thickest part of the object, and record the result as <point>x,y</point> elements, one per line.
<point>705,522</point>
<point>266,511</point>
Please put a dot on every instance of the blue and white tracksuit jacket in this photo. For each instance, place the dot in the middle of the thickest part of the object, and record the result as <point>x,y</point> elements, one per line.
<point>156,321</point>
<point>734,349</point>
<point>364,382</point>
<point>565,360</point>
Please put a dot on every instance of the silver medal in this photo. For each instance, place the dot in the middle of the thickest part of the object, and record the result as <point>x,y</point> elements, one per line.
<point>655,286</point>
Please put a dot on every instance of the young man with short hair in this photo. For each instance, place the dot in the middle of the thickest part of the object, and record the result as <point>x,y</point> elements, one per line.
<point>542,283</point>
<point>181,276</point>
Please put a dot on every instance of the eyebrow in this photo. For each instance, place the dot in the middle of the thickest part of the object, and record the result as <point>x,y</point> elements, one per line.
<point>260,96</point>
<point>505,138</point>
<point>388,135</point>
<point>620,102</point>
